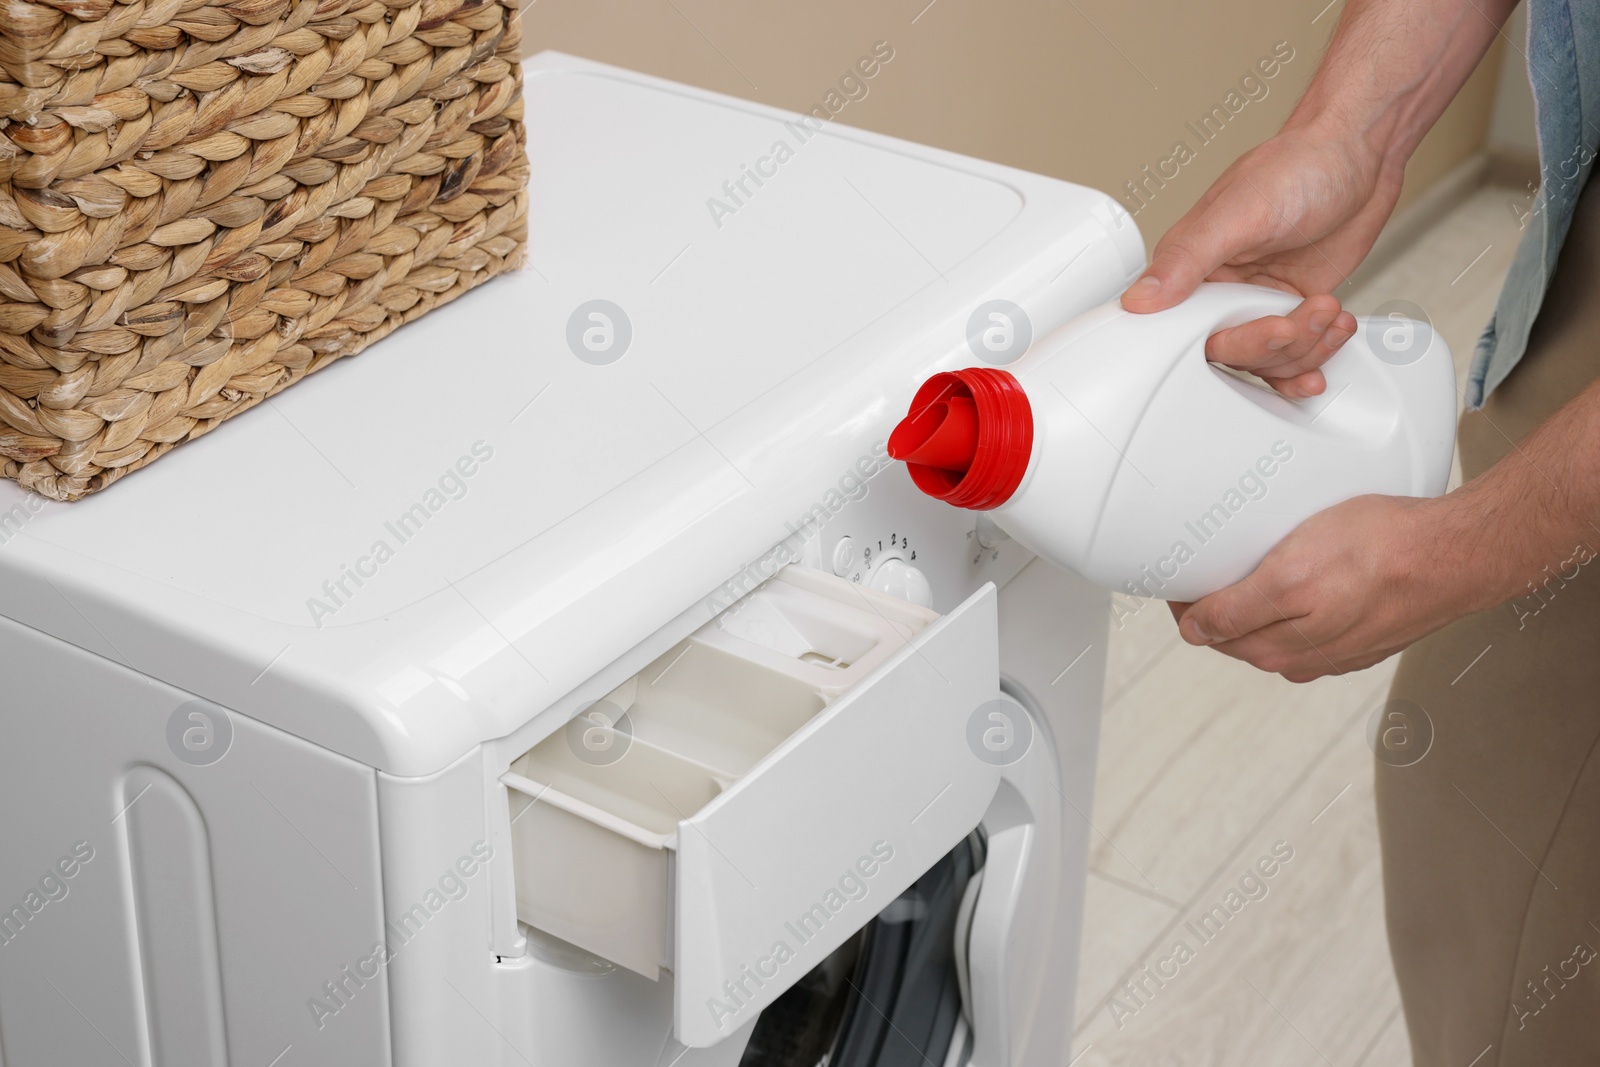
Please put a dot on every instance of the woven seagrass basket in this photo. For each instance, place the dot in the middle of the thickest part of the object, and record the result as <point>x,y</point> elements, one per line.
<point>201,202</point>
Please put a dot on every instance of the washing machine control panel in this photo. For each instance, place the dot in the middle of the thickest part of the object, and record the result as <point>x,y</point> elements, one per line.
<point>897,540</point>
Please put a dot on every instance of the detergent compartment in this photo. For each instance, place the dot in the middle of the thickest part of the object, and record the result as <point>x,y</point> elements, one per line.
<point>679,823</point>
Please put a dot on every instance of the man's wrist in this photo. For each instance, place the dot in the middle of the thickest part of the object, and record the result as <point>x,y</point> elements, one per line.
<point>1390,70</point>
<point>1481,546</point>
<point>1454,551</point>
<point>1371,140</point>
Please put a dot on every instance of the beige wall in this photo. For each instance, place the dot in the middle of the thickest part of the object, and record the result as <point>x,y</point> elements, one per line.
<point>1087,90</point>
<point>1511,133</point>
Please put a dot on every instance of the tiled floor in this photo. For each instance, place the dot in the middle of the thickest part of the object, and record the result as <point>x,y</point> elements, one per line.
<point>1206,765</point>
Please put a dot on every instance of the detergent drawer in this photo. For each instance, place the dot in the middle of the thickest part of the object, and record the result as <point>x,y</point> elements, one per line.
<point>737,810</point>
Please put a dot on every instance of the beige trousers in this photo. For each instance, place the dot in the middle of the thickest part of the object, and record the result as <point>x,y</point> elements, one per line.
<point>1491,841</point>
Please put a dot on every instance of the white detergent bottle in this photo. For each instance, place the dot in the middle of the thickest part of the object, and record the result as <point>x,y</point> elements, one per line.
<point>1115,449</point>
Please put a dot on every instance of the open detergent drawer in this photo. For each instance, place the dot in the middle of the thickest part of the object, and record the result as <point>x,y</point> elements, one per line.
<point>742,806</point>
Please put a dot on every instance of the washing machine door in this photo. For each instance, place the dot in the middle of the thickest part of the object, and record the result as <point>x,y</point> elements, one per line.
<point>940,977</point>
<point>890,997</point>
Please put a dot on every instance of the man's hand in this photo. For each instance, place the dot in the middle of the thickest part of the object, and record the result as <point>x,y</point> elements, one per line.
<point>1297,213</point>
<point>1348,588</point>
<point>1360,581</point>
<point>1356,583</point>
<point>1301,211</point>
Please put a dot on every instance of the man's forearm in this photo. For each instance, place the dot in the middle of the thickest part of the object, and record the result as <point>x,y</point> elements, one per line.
<point>1393,66</point>
<point>1533,514</point>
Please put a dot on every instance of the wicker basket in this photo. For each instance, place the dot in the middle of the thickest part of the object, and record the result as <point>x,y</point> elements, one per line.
<point>203,202</point>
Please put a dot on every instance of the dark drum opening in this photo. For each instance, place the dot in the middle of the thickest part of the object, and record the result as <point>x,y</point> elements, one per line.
<point>888,997</point>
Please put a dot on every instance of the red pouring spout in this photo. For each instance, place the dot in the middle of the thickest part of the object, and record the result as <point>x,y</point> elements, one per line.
<point>943,434</point>
<point>968,437</point>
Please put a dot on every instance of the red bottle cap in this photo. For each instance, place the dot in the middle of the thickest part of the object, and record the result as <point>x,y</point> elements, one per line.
<point>967,438</point>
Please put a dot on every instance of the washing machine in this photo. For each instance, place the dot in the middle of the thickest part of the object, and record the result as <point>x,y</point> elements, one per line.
<point>570,680</point>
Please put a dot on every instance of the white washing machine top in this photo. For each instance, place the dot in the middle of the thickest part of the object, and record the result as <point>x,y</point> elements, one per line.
<point>431,542</point>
